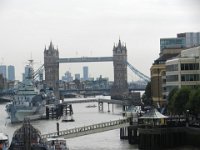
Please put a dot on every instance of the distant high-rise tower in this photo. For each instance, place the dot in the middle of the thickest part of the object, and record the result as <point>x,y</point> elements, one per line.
<point>51,66</point>
<point>120,86</point>
<point>3,71</point>
<point>26,71</point>
<point>67,77</point>
<point>11,73</point>
<point>85,73</point>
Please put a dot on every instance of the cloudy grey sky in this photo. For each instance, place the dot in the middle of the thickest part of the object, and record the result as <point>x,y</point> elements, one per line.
<point>90,28</point>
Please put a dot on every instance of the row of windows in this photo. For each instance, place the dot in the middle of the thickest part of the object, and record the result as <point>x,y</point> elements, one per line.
<point>172,41</point>
<point>173,67</point>
<point>184,77</point>
<point>190,77</point>
<point>172,78</point>
<point>191,66</point>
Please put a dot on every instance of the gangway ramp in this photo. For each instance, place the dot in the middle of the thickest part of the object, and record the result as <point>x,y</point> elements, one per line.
<point>90,129</point>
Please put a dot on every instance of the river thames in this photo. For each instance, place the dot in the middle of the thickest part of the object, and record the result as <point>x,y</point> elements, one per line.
<point>109,140</point>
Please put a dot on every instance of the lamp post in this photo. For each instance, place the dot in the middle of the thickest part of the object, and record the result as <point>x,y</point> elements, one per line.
<point>158,88</point>
<point>187,117</point>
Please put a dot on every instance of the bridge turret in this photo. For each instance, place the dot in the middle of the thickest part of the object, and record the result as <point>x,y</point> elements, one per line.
<point>51,66</point>
<point>120,86</point>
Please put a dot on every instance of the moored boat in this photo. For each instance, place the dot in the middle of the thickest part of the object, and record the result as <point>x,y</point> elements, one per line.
<point>27,137</point>
<point>28,101</point>
<point>4,141</point>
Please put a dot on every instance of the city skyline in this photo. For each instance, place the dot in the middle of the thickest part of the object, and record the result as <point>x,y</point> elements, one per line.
<point>91,28</point>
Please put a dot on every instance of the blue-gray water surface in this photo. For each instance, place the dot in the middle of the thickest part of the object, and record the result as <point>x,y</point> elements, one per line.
<point>109,140</point>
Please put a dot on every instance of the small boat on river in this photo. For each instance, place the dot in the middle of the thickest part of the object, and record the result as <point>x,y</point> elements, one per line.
<point>4,141</point>
<point>29,138</point>
<point>91,106</point>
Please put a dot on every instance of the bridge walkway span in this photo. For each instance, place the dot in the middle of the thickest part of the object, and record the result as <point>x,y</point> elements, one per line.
<point>100,100</point>
<point>90,129</point>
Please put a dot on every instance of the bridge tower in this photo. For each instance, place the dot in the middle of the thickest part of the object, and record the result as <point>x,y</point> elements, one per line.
<point>51,66</point>
<point>120,86</point>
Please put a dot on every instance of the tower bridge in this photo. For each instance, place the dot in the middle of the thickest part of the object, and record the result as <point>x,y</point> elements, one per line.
<point>120,63</point>
<point>85,59</point>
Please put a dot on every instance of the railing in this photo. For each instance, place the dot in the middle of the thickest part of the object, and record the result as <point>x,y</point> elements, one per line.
<point>90,129</point>
<point>110,101</point>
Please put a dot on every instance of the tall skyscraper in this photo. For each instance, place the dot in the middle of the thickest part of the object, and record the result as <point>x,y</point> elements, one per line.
<point>26,71</point>
<point>3,70</point>
<point>11,73</point>
<point>85,73</point>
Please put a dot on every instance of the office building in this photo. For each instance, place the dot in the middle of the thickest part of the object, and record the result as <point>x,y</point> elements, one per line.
<point>11,73</point>
<point>85,73</point>
<point>26,71</point>
<point>183,40</point>
<point>169,48</point>
<point>3,71</point>
<point>183,70</point>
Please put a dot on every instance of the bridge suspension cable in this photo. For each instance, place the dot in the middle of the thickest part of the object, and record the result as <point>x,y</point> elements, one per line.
<point>37,72</point>
<point>138,73</point>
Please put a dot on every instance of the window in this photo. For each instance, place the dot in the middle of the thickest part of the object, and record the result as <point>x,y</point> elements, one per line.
<point>173,67</point>
<point>172,78</point>
<point>190,66</point>
<point>190,77</point>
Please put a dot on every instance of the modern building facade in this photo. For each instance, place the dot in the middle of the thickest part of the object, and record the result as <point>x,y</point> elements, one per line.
<point>169,48</point>
<point>11,73</point>
<point>183,40</point>
<point>85,73</point>
<point>3,71</point>
<point>183,70</point>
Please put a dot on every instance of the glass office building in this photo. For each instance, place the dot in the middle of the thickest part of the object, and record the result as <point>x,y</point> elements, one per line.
<point>183,40</point>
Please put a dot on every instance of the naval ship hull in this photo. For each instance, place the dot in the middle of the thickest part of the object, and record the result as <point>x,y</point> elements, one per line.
<point>18,115</point>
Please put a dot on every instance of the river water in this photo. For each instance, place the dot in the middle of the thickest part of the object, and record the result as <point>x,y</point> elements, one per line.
<point>109,140</point>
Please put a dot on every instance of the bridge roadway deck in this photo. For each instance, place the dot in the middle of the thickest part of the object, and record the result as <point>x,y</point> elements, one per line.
<point>90,129</point>
<point>100,100</point>
<point>85,59</point>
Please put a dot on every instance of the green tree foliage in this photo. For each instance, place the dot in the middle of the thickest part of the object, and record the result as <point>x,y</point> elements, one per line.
<point>194,101</point>
<point>171,99</point>
<point>181,99</point>
<point>147,96</point>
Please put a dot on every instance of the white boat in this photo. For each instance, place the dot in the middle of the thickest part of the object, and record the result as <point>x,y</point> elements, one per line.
<point>91,106</point>
<point>56,144</point>
<point>28,101</point>
<point>4,142</point>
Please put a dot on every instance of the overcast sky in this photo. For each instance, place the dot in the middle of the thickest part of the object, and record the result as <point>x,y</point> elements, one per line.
<point>90,28</point>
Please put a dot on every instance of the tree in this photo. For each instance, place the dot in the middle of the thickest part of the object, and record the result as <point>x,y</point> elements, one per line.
<point>147,96</point>
<point>181,98</point>
<point>171,99</point>
<point>194,101</point>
